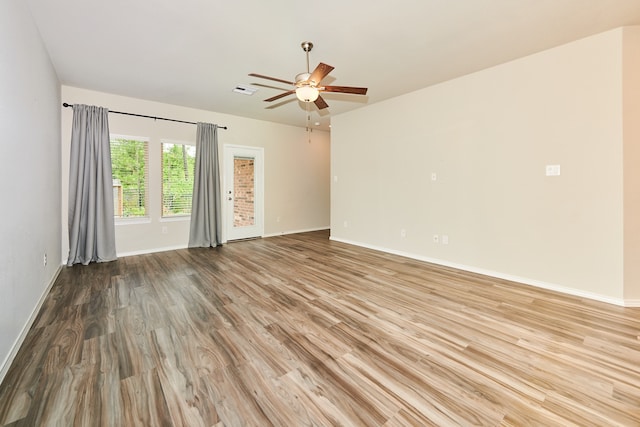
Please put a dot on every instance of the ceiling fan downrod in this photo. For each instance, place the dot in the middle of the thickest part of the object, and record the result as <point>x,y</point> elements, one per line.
<point>307,46</point>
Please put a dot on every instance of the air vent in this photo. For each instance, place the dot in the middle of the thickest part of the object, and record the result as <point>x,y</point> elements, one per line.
<point>245,90</point>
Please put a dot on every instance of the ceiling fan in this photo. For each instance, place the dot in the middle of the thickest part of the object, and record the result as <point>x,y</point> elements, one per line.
<point>307,85</point>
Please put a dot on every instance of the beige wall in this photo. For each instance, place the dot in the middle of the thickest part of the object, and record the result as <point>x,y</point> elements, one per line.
<point>296,172</point>
<point>631,126</point>
<point>488,137</point>
<point>30,176</point>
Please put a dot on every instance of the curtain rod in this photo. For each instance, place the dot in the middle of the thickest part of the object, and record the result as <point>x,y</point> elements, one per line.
<point>64,104</point>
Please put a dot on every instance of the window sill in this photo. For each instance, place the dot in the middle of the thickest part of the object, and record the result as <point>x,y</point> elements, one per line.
<point>176,218</point>
<point>132,221</point>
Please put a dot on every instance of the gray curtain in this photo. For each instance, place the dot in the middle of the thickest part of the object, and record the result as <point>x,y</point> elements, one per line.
<point>91,224</point>
<point>206,219</point>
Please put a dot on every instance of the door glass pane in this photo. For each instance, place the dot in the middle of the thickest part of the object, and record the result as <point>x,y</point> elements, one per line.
<point>243,188</point>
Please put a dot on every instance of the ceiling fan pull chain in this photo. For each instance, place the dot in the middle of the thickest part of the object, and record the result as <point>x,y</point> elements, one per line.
<point>309,130</point>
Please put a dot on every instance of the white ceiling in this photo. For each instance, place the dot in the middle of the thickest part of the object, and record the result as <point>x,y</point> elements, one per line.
<point>194,52</point>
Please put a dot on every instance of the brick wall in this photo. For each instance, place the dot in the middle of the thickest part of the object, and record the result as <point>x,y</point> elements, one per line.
<point>243,187</point>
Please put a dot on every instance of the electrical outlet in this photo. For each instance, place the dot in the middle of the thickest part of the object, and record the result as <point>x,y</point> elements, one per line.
<point>436,238</point>
<point>277,219</point>
<point>552,170</point>
<point>445,239</point>
<point>403,233</point>
<point>165,230</point>
<point>434,176</point>
<point>44,260</point>
<point>346,224</point>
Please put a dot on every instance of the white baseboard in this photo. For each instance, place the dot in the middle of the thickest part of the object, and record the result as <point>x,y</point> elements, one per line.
<point>307,230</point>
<point>145,251</point>
<point>499,275</point>
<point>6,363</point>
<point>172,248</point>
<point>151,250</point>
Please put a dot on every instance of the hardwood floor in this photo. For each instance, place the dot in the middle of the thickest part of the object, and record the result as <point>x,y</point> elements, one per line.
<point>299,330</point>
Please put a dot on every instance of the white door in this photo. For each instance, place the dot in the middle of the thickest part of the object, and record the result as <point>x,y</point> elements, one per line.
<point>243,192</point>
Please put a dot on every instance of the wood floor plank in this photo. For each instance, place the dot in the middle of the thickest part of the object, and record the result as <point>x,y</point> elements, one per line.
<point>143,401</point>
<point>301,330</point>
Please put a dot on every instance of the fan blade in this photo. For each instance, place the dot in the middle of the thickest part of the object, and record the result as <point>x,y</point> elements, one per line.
<point>270,78</point>
<point>320,103</point>
<point>282,95</point>
<point>346,89</point>
<point>268,86</point>
<point>320,73</point>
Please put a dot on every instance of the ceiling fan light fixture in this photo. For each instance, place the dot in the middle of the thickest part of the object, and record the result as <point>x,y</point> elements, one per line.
<point>307,86</point>
<point>307,93</point>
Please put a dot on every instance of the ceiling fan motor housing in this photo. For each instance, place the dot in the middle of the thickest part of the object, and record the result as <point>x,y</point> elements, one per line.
<point>302,79</point>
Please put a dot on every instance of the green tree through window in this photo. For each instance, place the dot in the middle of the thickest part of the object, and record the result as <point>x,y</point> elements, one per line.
<point>129,159</point>
<point>178,164</point>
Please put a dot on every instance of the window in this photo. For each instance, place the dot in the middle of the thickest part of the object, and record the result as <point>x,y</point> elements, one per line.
<point>178,165</point>
<point>129,160</point>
